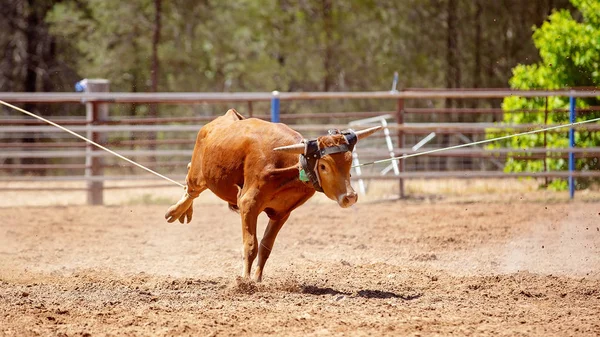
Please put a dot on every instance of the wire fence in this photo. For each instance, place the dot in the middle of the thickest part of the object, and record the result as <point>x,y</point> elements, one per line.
<point>33,151</point>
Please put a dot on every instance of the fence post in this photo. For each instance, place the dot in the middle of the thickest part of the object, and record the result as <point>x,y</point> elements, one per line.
<point>571,145</point>
<point>546,180</point>
<point>250,110</point>
<point>96,113</point>
<point>275,107</point>
<point>400,122</point>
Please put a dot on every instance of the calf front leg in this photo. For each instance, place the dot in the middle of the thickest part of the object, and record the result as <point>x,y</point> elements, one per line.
<point>266,244</point>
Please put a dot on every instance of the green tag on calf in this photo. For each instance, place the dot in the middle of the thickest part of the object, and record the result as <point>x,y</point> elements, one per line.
<point>303,176</point>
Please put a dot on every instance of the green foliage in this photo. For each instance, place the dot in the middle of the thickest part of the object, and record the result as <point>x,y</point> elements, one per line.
<point>112,37</point>
<point>570,57</point>
<point>262,45</point>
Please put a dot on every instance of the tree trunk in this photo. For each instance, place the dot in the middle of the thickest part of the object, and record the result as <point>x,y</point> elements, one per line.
<point>327,7</point>
<point>478,30</point>
<point>155,67</point>
<point>476,73</point>
<point>32,58</point>
<point>155,42</point>
<point>452,70</point>
<point>452,67</point>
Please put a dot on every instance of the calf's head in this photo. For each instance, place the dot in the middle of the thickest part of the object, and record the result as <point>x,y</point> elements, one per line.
<point>330,163</point>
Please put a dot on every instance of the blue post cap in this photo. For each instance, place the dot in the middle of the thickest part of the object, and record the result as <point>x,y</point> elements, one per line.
<point>80,86</point>
<point>395,82</point>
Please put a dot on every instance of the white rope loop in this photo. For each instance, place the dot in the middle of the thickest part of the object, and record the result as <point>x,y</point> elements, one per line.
<point>91,142</point>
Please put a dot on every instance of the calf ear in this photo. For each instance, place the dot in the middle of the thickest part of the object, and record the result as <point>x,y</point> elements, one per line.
<point>295,149</point>
<point>362,134</point>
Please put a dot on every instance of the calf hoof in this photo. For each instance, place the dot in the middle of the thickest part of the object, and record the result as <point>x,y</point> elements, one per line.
<point>171,213</point>
<point>258,275</point>
<point>187,214</point>
<point>180,211</point>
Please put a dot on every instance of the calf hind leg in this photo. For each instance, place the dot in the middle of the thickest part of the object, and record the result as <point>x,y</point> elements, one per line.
<point>266,244</point>
<point>249,210</point>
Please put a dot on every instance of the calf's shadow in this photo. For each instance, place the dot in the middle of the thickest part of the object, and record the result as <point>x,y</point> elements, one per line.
<point>365,293</point>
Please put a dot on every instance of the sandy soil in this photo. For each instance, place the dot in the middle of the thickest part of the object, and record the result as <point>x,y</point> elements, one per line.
<point>422,267</point>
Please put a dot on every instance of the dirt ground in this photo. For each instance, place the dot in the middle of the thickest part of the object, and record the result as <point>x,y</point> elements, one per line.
<point>434,266</point>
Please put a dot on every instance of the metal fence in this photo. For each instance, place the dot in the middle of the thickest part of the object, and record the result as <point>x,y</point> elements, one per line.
<point>33,151</point>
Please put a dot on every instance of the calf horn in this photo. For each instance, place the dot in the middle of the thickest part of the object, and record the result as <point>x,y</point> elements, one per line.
<point>362,134</point>
<point>295,149</point>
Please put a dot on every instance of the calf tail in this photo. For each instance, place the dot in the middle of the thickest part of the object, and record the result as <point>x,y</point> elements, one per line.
<point>235,207</point>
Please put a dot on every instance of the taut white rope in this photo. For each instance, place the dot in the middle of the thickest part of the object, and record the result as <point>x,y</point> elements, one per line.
<point>481,142</point>
<point>91,142</point>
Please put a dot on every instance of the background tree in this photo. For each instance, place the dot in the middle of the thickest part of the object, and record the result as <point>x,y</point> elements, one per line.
<point>299,46</point>
<point>570,57</point>
<point>33,59</point>
<point>263,45</point>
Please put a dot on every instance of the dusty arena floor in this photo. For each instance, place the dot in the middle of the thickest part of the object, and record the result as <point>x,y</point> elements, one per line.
<point>418,267</point>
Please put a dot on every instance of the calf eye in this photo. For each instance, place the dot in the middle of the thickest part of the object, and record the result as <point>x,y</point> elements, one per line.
<point>322,167</point>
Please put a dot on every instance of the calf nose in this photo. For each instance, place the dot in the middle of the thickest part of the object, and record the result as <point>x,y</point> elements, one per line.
<point>349,199</point>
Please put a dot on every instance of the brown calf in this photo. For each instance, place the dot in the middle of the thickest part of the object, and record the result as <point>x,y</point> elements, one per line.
<point>250,164</point>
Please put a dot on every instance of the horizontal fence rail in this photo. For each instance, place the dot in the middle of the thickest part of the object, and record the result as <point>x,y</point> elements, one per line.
<point>368,153</point>
<point>194,98</point>
<point>31,151</point>
<point>408,128</point>
<point>405,175</point>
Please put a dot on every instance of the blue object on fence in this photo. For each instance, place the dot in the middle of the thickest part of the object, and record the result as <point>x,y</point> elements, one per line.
<point>80,86</point>
<point>571,145</point>
<point>395,82</point>
<point>275,107</point>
